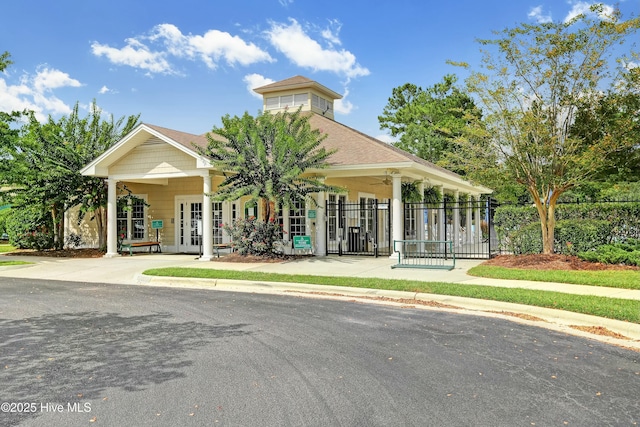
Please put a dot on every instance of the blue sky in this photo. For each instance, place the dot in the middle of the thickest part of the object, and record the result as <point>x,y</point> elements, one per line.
<point>185,64</point>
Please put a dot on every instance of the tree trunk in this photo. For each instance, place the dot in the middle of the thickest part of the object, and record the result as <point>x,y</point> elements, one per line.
<point>101,219</point>
<point>58,227</point>
<point>547,212</point>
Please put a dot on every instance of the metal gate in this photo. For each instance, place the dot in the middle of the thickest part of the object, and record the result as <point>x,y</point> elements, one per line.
<point>467,224</point>
<point>362,228</point>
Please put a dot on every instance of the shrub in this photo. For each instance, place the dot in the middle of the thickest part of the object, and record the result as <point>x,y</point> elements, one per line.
<point>571,237</point>
<point>525,240</point>
<point>623,219</point>
<point>30,228</point>
<point>74,241</point>
<point>627,253</point>
<point>252,237</point>
<point>4,214</point>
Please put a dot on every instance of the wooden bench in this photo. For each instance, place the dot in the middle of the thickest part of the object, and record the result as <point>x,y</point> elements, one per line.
<point>150,245</point>
<point>219,246</point>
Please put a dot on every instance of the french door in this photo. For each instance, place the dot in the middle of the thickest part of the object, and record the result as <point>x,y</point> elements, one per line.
<point>190,227</point>
<point>189,224</point>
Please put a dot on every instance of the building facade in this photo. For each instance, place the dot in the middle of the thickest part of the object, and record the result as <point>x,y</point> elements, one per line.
<point>171,181</point>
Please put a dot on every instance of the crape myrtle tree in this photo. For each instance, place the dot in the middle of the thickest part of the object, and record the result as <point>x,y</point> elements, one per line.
<point>42,166</point>
<point>534,80</point>
<point>275,159</point>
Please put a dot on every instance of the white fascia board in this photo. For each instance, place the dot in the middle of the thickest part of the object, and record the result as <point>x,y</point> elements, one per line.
<point>155,176</point>
<point>359,170</point>
<point>100,165</point>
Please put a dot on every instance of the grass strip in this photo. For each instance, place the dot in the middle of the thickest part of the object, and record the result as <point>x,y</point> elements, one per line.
<point>6,248</point>
<point>611,308</point>
<point>5,263</point>
<point>624,279</point>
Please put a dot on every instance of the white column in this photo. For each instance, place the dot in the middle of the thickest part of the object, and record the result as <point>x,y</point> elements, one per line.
<point>396,210</point>
<point>321,225</point>
<point>420,221</point>
<point>456,219</point>
<point>112,220</point>
<point>469,223</point>
<point>478,221</point>
<point>207,220</point>
<point>442,218</point>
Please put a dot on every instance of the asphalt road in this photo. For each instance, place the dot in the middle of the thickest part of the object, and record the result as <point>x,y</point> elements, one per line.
<point>91,354</point>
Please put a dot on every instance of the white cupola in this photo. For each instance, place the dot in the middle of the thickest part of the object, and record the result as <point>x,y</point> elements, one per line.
<point>298,92</point>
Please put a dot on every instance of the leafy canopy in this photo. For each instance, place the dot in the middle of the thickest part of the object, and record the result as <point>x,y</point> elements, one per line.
<point>534,82</point>
<point>428,121</point>
<point>271,157</point>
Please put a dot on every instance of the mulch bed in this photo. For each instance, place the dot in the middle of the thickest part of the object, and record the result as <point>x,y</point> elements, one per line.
<point>525,262</point>
<point>96,253</point>
<point>64,253</point>
<point>552,262</point>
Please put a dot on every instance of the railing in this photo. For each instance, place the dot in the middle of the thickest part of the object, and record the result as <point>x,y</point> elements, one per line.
<point>432,254</point>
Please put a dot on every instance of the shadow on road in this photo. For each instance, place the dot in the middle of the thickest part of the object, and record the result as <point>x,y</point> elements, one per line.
<point>74,357</point>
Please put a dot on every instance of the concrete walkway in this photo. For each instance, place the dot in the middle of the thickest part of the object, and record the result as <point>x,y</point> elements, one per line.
<point>128,271</point>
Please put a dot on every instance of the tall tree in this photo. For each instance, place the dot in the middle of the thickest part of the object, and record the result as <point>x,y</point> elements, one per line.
<point>267,158</point>
<point>614,115</point>
<point>532,86</point>
<point>5,61</point>
<point>428,121</point>
<point>42,166</point>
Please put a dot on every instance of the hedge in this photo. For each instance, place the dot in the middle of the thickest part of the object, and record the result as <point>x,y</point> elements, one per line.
<point>623,223</point>
<point>571,237</point>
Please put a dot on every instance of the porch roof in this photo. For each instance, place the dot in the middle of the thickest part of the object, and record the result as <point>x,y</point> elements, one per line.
<point>357,155</point>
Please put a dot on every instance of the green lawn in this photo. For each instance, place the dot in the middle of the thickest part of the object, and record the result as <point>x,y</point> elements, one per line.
<point>4,248</point>
<point>612,308</point>
<point>5,263</point>
<point>626,279</point>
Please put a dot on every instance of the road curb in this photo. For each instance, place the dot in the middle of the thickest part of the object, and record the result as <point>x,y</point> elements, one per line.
<point>559,320</point>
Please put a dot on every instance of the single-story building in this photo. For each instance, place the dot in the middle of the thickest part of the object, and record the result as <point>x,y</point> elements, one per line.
<point>171,180</point>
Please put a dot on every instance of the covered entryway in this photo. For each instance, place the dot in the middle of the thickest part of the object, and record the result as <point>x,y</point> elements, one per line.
<point>362,228</point>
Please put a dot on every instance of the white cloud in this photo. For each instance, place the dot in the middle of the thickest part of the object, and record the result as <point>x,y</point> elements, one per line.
<point>35,93</point>
<point>305,52</point>
<point>386,138</point>
<point>47,79</point>
<point>583,7</point>
<point>168,41</point>
<point>342,106</point>
<point>256,80</point>
<point>537,15</point>
<point>331,33</point>
<point>105,89</point>
<point>135,54</point>
<point>285,3</point>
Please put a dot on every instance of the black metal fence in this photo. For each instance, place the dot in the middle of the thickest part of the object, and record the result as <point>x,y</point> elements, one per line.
<point>362,228</point>
<point>468,224</point>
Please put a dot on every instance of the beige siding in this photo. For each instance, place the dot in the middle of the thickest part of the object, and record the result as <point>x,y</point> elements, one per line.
<point>86,229</point>
<point>161,199</point>
<point>154,158</point>
<point>362,185</point>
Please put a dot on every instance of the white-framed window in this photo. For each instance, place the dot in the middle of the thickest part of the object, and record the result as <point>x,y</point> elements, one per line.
<point>321,103</point>
<point>297,220</point>
<point>300,99</point>
<point>366,211</point>
<point>217,223</point>
<point>131,219</point>
<point>284,101</point>
<point>336,216</point>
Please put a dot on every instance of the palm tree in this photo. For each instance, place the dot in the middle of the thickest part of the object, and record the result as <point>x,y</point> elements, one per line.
<point>266,157</point>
